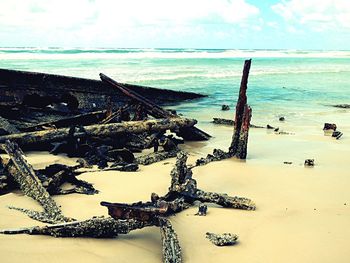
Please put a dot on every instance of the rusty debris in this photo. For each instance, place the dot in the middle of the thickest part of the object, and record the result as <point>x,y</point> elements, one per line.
<point>182,194</point>
<point>107,125</point>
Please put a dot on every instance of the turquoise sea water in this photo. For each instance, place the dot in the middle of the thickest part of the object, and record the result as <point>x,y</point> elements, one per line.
<point>299,85</point>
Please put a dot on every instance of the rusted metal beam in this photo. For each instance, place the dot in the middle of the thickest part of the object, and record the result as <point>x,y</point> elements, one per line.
<point>191,133</point>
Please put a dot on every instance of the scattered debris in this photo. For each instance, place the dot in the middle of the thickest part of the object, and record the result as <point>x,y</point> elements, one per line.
<point>97,121</point>
<point>309,162</point>
<point>225,107</point>
<point>278,132</point>
<point>337,134</point>
<point>330,129</point>
<point>281,118</point>
<point>225,239</point>
<point>223,121</point>
<point>329,126</point>
<point>287,162</point>
<point>232,123</point>
<point>183,192</point>
<point>202,210</point>
<point>342,106</point>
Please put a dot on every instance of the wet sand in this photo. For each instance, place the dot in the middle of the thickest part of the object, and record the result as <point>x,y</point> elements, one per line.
<point>302,214</point>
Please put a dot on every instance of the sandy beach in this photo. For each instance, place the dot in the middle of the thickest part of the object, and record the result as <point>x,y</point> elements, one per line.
<point>302,213</point>
<point>102,87</point>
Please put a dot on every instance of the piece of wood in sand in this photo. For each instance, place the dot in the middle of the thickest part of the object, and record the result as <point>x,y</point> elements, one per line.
<point>97,227</point>
<point>102,130</point>
<point>183,183</point>
<point>29,183</point>
<point>188,133</point>
<point>154,157</point>
<point>182,193</point>
<point>170,243</point>
<point>229,122</point>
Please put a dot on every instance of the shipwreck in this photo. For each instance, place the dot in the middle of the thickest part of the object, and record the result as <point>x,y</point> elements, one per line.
<point>107,124</point>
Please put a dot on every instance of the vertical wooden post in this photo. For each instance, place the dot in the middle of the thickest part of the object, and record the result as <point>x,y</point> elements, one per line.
<point>239,142</point>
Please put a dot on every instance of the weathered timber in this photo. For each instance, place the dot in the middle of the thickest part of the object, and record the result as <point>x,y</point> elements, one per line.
<point>6,127</point>
<point>154,157</point>
<point>225,239</point>
<point>80,119</point>
<point>126,217</point>
<point>101,227</point>
<point>239,143</point>
<point>188,133</point>
<point>26,118</point>
<point>217,155</point>
<point>29,183</point>
<point>242,118</point>
<point>183,192</point>
<point>342,106</point>
<point>170,243</point>
<point>55,175</point>
<point>7,182</point>
<point>242,145</point>
<point>88,94</point>
<point>52,178</point>
<point>183,185</point>
<point>224,200</point>
<point>223,121</point>
<point>232,123</point>
<point>97,227</point>
<point>101,130</point>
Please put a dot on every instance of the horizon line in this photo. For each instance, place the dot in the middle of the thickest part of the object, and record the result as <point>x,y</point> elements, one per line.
<point>173,48</point>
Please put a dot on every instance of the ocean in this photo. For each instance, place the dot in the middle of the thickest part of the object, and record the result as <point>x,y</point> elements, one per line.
<point>299,85</point>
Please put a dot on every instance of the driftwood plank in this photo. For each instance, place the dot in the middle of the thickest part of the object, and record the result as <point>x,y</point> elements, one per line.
<point>103,130</point>
<point>30,184</point>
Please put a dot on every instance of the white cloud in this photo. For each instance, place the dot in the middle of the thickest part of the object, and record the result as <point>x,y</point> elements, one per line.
<point>101,22</point>
<point>319,15</point>
<point>140,12</point>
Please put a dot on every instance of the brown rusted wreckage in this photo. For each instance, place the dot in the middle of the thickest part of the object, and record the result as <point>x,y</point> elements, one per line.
<point>106,123</point>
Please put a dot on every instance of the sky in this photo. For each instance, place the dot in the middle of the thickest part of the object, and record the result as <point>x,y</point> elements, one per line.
<point>236,24</point>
